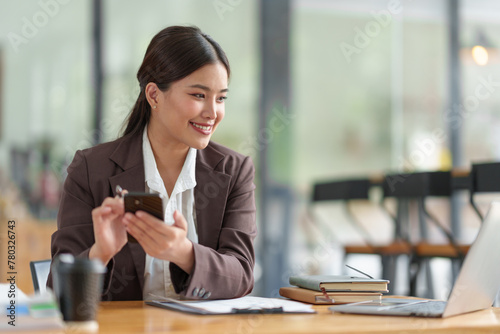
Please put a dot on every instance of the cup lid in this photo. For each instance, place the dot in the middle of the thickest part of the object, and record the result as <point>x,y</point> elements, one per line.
<point>68,261</point>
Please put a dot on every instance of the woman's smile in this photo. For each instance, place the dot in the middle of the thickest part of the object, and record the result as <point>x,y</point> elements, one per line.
<point>203,128</point>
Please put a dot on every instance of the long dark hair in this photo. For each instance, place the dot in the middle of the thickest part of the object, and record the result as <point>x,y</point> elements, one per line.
<point>174,53</point>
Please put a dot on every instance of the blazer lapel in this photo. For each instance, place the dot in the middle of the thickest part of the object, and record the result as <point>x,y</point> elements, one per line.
<point>210,194</point>
<point>128,155</point>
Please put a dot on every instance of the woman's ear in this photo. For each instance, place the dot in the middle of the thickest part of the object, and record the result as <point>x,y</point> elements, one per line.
<point>152,92</point>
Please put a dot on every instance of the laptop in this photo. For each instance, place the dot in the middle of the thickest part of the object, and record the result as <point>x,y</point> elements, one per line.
<point>475,288</point>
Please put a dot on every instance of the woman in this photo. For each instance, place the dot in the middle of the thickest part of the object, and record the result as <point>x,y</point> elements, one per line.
<point>204,248</point>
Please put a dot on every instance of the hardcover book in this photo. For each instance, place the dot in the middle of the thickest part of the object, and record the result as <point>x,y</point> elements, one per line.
<point>316,297</point>
<point>339,283</point>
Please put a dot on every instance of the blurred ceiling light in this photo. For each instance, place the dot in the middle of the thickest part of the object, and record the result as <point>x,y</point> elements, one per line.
<point>482,50</point>
<point>480,55</point>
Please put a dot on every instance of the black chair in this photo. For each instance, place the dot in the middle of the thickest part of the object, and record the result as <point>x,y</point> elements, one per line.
<point>418,187</point>
<point>484,178</point>
<point>39,274</point>
<point>348,192</point>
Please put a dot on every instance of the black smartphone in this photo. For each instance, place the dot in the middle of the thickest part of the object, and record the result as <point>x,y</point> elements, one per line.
<point>150,203</point>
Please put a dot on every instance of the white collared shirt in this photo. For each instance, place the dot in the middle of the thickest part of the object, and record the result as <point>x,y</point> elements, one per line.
<point>156,272</point>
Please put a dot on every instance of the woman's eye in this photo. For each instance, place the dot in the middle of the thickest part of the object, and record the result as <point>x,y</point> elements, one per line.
<point>199,96</point>
<point>222,98</point>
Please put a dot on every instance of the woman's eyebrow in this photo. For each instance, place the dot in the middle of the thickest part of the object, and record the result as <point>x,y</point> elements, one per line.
<point>205,88</point>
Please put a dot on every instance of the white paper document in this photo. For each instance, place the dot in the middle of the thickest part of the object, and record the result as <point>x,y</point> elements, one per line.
<point>247,304</point>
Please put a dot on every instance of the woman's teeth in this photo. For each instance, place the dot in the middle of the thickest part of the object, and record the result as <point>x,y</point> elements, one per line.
<point>201,127</point>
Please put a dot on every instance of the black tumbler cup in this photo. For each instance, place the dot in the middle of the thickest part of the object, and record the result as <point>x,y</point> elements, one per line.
<point>77,285</point>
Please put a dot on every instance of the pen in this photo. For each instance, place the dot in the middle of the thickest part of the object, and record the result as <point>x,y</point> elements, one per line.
<point>119,191</point>
<point>359,271</point>
<point>257,310</point>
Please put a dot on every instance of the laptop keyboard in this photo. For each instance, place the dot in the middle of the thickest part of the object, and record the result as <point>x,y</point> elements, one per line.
<point>434,308</point>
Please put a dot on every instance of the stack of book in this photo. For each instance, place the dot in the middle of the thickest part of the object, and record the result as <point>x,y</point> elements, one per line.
<point>334,289</point>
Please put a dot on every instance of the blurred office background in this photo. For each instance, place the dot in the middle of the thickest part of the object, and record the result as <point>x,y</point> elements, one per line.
<point>320,90</point>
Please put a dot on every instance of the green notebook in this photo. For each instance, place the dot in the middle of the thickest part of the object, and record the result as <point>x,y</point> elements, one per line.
<point>339,283</point>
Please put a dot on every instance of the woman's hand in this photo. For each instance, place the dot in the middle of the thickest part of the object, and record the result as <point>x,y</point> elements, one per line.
<point>162,241</point>
<point>109,231</point>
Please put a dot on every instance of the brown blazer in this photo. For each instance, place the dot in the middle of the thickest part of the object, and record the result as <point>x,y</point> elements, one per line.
<point>225,215</point>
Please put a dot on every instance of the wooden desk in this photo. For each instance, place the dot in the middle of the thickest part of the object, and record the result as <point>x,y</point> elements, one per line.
<point>136,317</point>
